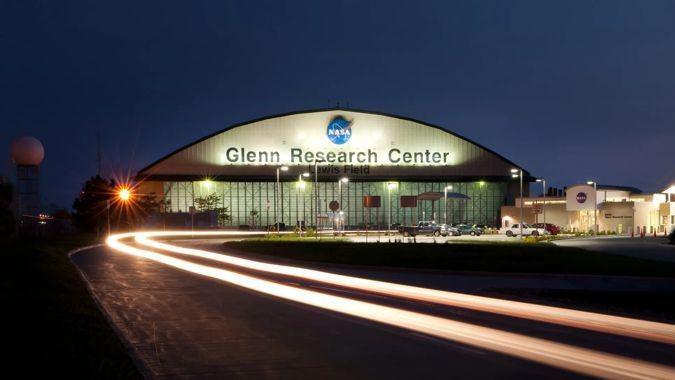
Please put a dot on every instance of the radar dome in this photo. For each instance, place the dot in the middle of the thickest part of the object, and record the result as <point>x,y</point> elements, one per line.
<point>27,151</point>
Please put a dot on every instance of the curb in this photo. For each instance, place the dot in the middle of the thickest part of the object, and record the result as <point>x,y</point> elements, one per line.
<point>143,369</point>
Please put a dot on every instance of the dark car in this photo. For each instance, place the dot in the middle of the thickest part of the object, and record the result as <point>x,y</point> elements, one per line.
<point>465,229</point>
<point>551,228</point>
<point>422,228</point>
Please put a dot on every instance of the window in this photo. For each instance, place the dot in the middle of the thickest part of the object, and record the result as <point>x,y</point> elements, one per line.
<point>290,203</point>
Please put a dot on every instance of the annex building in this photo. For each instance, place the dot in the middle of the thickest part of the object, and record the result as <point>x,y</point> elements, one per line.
<point>619,210</point>
<point>313,167</point>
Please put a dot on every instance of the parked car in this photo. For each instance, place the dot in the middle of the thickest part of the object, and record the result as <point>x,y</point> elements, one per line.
<point>466,229</point>
<point>528,230</point>
<point>551,228</point>
<point>487,229</point>
<point>447,229</point>
<point>422,228</point>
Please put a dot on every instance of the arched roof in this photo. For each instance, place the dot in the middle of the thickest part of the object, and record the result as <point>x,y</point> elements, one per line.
<point>149,171</point>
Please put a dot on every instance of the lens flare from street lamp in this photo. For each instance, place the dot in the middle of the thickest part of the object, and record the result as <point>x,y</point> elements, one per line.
<point>124,194</point>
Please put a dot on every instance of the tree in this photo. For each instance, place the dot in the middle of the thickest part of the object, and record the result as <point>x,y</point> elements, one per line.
<point>139,208</point>
<point>211,202</point>
<point>90,205</point>
<point>253,217</point>
<point>97,194</point>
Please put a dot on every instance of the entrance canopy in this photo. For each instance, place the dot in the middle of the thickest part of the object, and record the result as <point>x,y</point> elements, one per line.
<point>436,195</point>
<point>430,196</point>
<point>458,196</point>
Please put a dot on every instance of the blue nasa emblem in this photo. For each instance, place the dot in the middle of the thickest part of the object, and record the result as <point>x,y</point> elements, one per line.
<point>339,130</point>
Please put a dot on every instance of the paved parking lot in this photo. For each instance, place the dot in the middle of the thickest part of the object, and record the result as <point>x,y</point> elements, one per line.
<point>373,238</point>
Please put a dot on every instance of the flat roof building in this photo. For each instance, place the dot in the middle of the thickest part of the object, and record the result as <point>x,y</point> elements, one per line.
<point>377,154</point>
<point>620,210</point>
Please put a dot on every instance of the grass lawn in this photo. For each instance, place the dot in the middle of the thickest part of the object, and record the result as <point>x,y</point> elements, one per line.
<point>491,257</point>
<point>53,328</point>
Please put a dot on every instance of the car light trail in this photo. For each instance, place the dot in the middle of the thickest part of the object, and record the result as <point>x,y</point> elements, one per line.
<point>636,328</point>
<point>559,355</point>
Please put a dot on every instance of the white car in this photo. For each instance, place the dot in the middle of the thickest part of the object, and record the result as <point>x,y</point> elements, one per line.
<point>528,230</point>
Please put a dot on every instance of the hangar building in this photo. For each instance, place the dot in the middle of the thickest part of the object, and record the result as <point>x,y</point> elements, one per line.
<point>308,167</point>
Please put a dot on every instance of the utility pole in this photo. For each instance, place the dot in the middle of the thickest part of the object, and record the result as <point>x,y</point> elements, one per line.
<point>98,154</point>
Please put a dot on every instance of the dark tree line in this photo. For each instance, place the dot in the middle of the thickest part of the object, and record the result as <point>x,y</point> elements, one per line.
<point>99,199</point>
<point>7,220</point>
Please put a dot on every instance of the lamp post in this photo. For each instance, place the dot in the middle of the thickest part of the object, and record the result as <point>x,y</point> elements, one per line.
<point>543,187</point>
<point>340,182</point>
<point>123,195</point>
<point>445,203</point>
<point>518,173</point>
<point>276,190</point>
<point>390,187</point>
<point>316,194</point>
<point>595,206</point>
<point>301,186</point>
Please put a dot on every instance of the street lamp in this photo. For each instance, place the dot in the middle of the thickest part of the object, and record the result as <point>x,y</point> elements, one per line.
<point>276,190</point>
<point>595,205</point>
<point>518,173</point>
<point>301,186</point>
<point>390,187</point>
<point>543,187</point>
<point>342,180</point>
<point>123,195</point>
<point>445,203</point>
<point>316,194</point>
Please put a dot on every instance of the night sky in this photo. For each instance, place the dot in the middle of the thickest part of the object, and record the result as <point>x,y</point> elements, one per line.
<point>569,90</point>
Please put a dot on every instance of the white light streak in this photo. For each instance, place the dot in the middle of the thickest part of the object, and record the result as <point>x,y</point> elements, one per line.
<point>636,328</point>
<point>559,355</point>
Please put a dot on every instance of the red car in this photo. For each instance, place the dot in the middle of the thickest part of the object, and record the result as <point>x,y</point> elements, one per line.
<point>551,228</point>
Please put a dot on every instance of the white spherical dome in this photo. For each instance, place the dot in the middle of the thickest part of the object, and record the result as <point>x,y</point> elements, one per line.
<point>27,151</point>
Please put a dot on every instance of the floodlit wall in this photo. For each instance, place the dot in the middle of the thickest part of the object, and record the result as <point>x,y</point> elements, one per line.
<point>298,203</point>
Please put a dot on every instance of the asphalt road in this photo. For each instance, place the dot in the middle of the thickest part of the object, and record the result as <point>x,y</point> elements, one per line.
<point>179,324</point>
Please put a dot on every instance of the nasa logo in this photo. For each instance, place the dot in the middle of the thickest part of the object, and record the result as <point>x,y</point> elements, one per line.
<point>339,130</point>
<point>581,197</point>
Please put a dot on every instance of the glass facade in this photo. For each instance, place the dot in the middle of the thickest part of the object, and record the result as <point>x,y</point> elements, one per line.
<point>253,203</point>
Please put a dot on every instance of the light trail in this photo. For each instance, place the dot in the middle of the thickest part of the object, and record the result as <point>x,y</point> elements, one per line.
<point>558,355</point>
<point>630,327</point>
